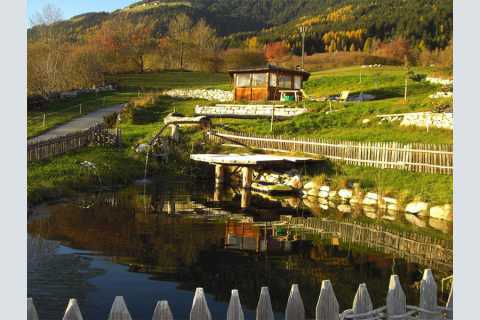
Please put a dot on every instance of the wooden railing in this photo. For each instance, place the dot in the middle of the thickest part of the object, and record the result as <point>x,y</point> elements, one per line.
<point>56,146</point>
<point>327,307</point>
<point>413,247</point>
<point>429,158</point>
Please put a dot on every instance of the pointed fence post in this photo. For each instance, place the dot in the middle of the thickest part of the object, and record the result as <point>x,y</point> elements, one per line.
<point>73,311</point>
<point>396,300</point>
<point>162,311</point>
<point>449,304</point>
<point>362,302</point>
<point>119,310</point>
<point>264,307</point>
<point>327,305</point>
<point>428,295</point>
<point>295,309</point>
<point>200,309</point>
<point>31,310</point>
<point>235,311</point>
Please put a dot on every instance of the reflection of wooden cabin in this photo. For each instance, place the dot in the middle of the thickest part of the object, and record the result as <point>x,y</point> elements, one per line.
<point>267,83</point>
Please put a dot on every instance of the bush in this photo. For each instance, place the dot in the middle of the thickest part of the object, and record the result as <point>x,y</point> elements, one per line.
<point>111,120</point>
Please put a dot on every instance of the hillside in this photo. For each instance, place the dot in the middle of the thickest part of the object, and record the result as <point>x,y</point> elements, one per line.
<point>429,22</point>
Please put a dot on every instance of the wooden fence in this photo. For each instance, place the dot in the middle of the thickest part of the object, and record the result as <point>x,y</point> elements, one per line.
<point>56,146</point>
<point>429,158</point>
<point>413,247</point>
<point>327,307</point>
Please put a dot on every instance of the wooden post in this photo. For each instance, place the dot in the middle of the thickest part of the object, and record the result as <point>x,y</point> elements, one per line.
<point>273,118</point>
<point>44,119</point>
<point>449,304</point>
<point>295,309</point>
<point>428,295</point>
<point>200,309</point>
<point>396,300</point>
<point>175,135</point>
<point>245,200</point>
<point>73,311</point>
<point>247,177</point>
<point>327,306</point>
<point>80,108</point>
<point>119,310</point>
<point>31,310</point>
<point>162,311</point>
<point>235,311</point>
<point>406,88</point>
<point>362,302</point>
<point>264,307</point>
<point>219,174</point>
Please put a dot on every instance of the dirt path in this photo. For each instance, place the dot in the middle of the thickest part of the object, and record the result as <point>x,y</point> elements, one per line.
<point>81,123</point>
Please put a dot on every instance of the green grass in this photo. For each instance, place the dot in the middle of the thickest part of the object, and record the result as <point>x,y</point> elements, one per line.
<point>173,79</point>
<point>63,111</point>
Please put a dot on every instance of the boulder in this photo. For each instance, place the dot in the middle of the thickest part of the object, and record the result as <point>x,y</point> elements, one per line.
<point>295,182</point>
<point>418,208</point>
<point>392,207</point>
<point>415,220</point>
<point>355,200</point>
<point>332,194</point>
<point>369,201</point>
<point>389,200</point>
<point>323,194</point>
<point>442,212</point>
<point>372,196</point>
<point>344,208</point>
<point>325,188</point>
<point>309,185</point>
<point>313,192</point>
<point>345,193</point>
<point>142,148</point>
<point>442,225</point>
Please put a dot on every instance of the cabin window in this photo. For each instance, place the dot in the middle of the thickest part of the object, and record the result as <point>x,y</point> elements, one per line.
<point>273,79</point>
<point>243,80</point>
<point>297,83</point>
<point>259,79</point>
<point>284,81</point>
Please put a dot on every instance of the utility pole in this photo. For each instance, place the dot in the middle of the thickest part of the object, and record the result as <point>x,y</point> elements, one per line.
<point>303,31</point>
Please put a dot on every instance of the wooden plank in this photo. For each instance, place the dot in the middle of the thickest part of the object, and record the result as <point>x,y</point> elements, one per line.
<point>362,303</point>
<point>200,310</point>
<point>31,310</point>
<point>327,306</point>
<point>396,300</point>
<point>428,295</point>
<point>295,309</point>
<point>234,311</point>
<point>73,311</point>
<point>119,310</point>
<point>162,311</point>
<point>264,306</point>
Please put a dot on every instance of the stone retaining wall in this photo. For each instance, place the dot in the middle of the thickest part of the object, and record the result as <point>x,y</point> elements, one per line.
<point>207,94</point>
<point>249,111</point>
<point>428,119</point>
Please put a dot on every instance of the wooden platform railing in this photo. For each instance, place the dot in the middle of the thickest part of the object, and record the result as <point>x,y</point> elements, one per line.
<point>56,146</point>
<point>327,307</point>
<point>429,158</point>
<point>416,248</point>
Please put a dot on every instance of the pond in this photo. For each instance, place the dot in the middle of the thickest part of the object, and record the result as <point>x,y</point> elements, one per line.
<point>162,240</point>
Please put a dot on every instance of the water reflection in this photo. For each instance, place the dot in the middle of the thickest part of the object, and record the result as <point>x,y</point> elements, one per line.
<point>181,236</point>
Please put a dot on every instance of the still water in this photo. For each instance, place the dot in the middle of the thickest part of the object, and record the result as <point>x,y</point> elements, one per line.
<point>162,240</point>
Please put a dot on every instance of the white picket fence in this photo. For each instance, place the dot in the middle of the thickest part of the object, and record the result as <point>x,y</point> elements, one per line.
<point>327,307</point>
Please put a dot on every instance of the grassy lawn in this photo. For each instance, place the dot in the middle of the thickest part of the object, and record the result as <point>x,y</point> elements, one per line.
<point>173,79</point>
<point>63,111</point>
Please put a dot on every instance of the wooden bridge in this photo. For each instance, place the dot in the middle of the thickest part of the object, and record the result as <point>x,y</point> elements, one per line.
<point>327,307</point>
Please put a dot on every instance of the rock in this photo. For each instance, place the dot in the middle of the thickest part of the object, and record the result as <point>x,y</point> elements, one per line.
<point>369,201</point>
<point>418,208</point>
<point>389,217</point>
<point>332,194</point>
<point>345,193</point>
<point>323,194</point>
<point>323,201</point>
<point>355,200</point>
<point>324,207</point>
<point>392,207</point>
<point>295,182</point>
<point>309,185</point>
<point>415,220</point>
<point>389,200</point>
<point>370,212</point>
<point>344,208</point>
<point>442,212</point>
<point>441,225</point>
<point>365,121</point>
<point>325,188</point>
<point>372,196</point>
<point>313,192</point>
<point>142,148</point>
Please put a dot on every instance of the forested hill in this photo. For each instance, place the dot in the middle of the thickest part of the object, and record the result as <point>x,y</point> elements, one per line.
<point>334,24</point>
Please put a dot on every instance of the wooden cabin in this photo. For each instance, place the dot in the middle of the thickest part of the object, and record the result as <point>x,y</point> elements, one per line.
<point>268,83</point>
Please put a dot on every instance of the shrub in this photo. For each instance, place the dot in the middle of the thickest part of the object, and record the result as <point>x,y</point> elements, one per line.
<point>110,120</point>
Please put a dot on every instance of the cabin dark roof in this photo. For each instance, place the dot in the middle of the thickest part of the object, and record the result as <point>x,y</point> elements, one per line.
<point>270,68</point>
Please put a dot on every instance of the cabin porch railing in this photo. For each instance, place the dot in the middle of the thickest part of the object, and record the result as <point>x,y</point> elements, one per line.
<point>327,307</point>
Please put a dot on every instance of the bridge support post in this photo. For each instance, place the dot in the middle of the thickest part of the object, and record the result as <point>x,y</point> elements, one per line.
<point>245,202</point>
<point>219,175</point>
<point>247,177</point>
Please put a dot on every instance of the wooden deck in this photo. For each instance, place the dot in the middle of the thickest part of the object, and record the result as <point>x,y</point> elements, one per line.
<point>250,159</point>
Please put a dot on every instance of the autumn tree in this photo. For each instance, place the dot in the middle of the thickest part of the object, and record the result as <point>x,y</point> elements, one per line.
<point>204,47</point>
<point>179,34</point>
<point>276,50</point>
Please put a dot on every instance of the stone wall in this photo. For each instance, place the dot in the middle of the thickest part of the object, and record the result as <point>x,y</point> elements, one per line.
<point>249,111</point>
<point>445,82</point>
<point>428,119</point>
<point>207,94</point>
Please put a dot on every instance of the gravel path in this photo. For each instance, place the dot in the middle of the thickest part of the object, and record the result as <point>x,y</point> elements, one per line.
<point>81,123</point>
